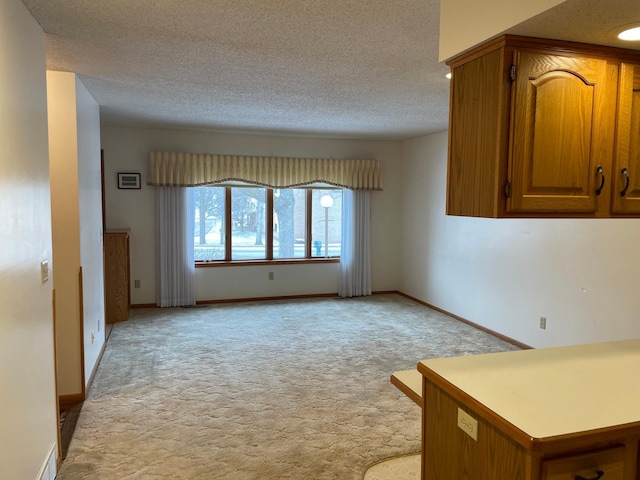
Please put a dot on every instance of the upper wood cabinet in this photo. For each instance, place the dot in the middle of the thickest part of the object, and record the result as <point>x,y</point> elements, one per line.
<point>533,130</point>
<point>626,168</point>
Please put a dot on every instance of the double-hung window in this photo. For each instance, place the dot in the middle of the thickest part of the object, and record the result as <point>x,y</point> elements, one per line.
<point>248,223</point>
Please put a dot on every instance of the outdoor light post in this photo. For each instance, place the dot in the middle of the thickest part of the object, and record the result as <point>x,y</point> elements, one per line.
<point>327,202</point>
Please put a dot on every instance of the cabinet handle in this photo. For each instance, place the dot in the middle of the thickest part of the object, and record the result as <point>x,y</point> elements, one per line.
<point>600,170</point>
<point>625,173</point>
<point>599,474</point>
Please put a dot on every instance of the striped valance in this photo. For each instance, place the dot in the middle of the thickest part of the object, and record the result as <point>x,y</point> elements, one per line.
<point>171,169</point>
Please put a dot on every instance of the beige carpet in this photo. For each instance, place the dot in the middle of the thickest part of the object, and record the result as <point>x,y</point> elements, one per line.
<point>265,390</point>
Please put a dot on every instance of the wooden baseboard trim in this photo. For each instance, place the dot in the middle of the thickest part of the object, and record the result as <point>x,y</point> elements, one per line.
<point>143,305</point>
<point>469,322</point>
<point>260,299</point>
<point>67,401</point>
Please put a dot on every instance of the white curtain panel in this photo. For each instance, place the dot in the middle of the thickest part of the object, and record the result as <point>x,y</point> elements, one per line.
<point>174,239</point>
<point>355,257</point>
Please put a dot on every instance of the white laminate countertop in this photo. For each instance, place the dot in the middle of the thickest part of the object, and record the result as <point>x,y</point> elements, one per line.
<point>552,391</point>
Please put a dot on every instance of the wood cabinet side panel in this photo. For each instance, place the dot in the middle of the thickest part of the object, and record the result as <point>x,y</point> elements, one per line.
<point>477,136</point>
<point>116,266</point>
<point>448,452</point>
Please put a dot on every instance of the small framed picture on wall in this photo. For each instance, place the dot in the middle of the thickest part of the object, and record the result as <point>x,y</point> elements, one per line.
<point>129,180</point>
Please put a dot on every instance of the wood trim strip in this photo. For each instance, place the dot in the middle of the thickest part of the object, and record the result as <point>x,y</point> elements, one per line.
<point>244,263</point>
<point>548,45</point>
<point>66,401</point>
<point>308,237</point>
<point>144,305</point>
<point>269,224</point>
<point>55,375</point>
<point>228,220</point>
<point>510,340</point>
<point>81,315</point>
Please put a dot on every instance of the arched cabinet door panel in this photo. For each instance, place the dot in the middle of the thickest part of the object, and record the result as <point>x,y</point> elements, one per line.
<point>562,133</point>
<point>625,194</point>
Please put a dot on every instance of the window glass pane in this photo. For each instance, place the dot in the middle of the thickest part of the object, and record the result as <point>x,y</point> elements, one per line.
<point>248,223</point>
<point>208,230</point>
<point>326,223</point>
<point>289,212</point>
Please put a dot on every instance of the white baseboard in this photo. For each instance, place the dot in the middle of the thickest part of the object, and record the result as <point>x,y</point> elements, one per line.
<point>49,469</point>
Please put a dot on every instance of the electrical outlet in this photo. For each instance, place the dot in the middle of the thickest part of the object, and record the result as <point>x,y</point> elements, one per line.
<point>136,284</point>
<point>468,424</point>
<point>271,276</point>
<point>543,323</point>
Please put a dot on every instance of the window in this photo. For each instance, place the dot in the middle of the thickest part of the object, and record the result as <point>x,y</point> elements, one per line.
<point>289,223</point>
<point>209,229</point>
<point>255,223</point>
<point>326,222</point>
<point>248,238</point>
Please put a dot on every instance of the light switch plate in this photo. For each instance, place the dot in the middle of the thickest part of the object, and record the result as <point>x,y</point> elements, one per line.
<point>44,270</point>
<point>468,424</point>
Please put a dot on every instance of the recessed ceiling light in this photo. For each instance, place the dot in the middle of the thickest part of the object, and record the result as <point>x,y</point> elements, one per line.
<point>448,75</point>
<point>630,34</point>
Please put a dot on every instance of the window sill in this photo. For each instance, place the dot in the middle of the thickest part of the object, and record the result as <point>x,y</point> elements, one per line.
<point>288,261</point>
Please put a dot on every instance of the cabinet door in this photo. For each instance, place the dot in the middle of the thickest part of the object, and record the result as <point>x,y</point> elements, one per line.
<point>626,173</point>
<point>562,131</point>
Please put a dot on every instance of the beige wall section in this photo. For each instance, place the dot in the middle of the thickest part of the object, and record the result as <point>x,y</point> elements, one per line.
<point>27,395</point>
<point>90,196</point>
<point>466,23</point>
<point>127,150</point>
<point>63,165</point>
<point>74,153</point>
<point>504,274</point>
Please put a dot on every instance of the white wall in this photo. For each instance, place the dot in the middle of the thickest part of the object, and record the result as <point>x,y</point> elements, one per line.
<point>76,206</point>
<point>506,273</point>
<point>28,426</point>
<point>466,23</point>
<point>90,200</point>
<point>127,150</point>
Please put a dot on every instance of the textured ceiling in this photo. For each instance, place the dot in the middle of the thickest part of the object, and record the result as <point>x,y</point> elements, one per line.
<point>351,68</point>
<point>328,67</point>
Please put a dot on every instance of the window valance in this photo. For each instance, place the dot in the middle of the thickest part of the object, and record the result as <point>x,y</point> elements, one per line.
<point>173,169</point>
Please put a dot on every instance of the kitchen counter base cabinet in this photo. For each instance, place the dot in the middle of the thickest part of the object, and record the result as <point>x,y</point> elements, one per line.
<point>452,453</point>
<point>464,436</point>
